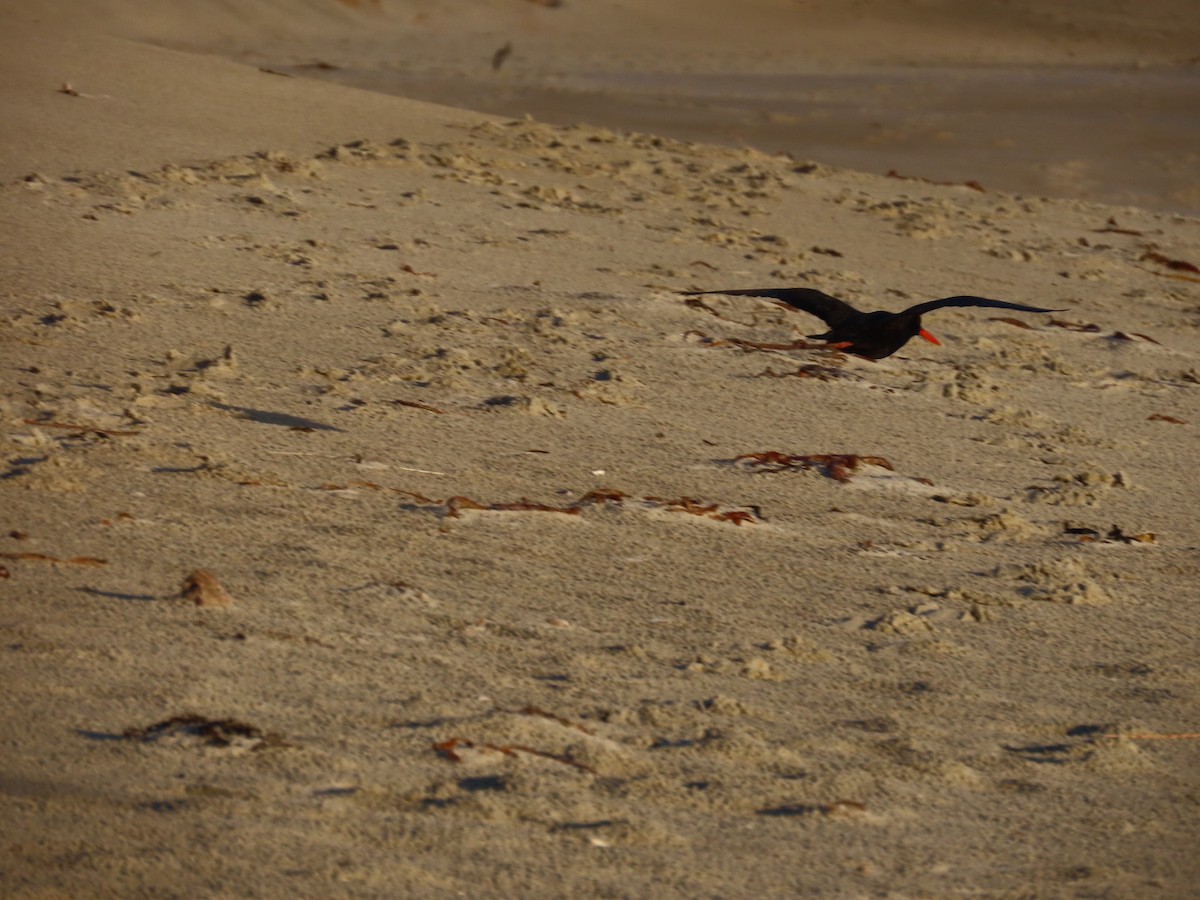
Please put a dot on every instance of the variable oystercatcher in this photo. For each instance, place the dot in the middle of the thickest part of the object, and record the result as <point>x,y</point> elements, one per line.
<point>873,335</point>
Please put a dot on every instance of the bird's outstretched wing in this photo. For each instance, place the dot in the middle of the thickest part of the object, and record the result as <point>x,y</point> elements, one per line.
<point>832,311</point>
<point>921,308</point>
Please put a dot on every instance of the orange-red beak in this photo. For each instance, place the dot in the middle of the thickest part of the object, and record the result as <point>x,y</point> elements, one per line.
<point>929,337</point>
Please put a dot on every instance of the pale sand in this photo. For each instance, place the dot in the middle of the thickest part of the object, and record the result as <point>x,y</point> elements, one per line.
<point>287,321</point>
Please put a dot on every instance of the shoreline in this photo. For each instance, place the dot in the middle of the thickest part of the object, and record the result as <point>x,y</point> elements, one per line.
<point>945,124</point>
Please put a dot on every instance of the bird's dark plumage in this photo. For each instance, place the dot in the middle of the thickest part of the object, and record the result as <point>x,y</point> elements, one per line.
<point>870,334</point>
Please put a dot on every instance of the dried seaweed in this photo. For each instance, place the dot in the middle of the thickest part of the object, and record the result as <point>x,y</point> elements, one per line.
<point>1092,328</point>
<point>748,515</point>
<point>1132,336</point>
<point>706,340</point>
<point>42,557</point>
<point>697,303</point>
<point>1176,265</point>
<point>448,750</point>
<point>453,506</point>
<point>838,466</point>
<point>1008,320</point>
<point>745,515</point>
<point>1114,535</point>
<point>601,497</point>
<point>740,516</point>
<point>521,505</point>
<point>411,271</point>
<point>369,485</point>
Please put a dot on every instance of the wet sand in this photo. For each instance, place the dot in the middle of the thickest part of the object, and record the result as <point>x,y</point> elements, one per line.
<point>1127,137</point>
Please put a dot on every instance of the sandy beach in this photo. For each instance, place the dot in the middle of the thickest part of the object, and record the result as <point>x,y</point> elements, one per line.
<point>379,520</point>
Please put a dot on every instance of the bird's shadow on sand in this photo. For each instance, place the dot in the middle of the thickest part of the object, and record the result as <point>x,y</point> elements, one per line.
<point>270,417</point>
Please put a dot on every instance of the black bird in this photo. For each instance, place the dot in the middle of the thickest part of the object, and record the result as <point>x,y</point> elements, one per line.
<point>873,335</point>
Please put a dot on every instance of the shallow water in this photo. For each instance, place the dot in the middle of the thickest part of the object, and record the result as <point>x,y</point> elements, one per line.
<point>1125,137</point>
